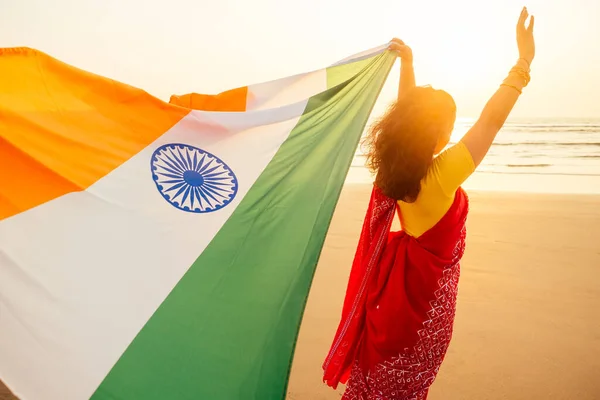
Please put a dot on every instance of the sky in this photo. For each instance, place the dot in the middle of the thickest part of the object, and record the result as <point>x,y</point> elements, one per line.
<point>178,46</point>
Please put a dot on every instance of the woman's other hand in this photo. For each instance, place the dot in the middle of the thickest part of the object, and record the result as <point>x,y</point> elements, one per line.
<point>402,50</point>
<point>525,40</point>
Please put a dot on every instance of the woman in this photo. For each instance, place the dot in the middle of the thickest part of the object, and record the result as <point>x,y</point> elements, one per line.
<point>400,303</point>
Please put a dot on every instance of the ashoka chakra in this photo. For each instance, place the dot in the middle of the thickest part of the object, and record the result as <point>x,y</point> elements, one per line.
<point>192,179</point>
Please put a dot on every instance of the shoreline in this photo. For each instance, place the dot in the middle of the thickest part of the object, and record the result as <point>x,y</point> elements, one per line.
<point>516,182</point>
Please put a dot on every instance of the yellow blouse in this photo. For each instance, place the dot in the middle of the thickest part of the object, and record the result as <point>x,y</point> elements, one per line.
<point>448,171</point>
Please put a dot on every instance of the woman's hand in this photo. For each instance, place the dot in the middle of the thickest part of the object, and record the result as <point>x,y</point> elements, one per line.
<point>402,50</point>
<point>525,40</point>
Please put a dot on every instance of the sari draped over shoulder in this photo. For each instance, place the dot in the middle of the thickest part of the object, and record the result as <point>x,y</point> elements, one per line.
<point>400,303</point>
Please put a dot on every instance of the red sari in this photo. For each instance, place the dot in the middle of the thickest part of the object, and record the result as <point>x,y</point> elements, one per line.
<point>400,303</point>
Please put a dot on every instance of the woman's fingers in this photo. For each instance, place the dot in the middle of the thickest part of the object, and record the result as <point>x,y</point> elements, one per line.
<point>397,46</point>
<point>522,18</point>
<point>530,27</point>
<point>399,49</point>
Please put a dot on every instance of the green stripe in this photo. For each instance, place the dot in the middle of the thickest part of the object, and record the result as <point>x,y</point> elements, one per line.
<point>229,327</point>
<point>341,73</point>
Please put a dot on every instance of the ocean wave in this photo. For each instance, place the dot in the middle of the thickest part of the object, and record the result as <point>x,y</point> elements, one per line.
<point>536,173</point>
<point>532,172</point>
<point>507,129</point>
<point>527,165</point>
<point>597,126</point>
<point>546,144</point>
<point>542,126</point>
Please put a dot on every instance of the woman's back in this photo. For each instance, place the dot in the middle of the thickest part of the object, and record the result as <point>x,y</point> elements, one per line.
<point>445,175</point>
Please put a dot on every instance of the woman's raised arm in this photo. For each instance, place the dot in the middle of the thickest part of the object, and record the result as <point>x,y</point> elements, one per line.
<point>480,137</point>
<point>407,73</point>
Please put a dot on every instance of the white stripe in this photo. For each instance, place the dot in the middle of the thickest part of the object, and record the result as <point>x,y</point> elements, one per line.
<point>297,88</point>
<point>275,94</point>
<point>363,55</point>
<point>81,275</point>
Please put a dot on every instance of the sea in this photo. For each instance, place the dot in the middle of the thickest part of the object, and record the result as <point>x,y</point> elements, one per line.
<point>542,155</point>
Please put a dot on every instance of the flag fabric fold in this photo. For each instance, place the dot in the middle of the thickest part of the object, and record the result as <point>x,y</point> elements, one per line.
<point>153,250</point>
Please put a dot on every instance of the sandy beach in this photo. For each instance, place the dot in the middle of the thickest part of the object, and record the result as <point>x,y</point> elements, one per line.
<point>527,324</point>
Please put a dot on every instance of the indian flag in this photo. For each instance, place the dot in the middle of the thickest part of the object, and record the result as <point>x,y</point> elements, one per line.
<point>153,250</point>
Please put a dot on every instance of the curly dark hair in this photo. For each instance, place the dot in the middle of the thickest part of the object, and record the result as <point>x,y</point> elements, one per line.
<point>401,144</point>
